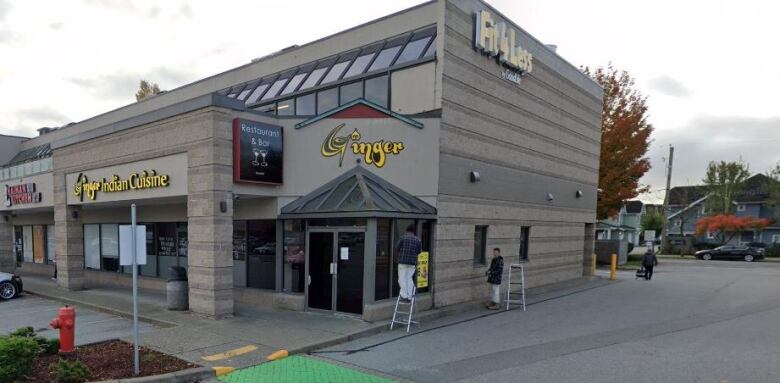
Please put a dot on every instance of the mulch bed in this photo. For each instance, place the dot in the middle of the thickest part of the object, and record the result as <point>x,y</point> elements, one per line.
<point>110,360</point>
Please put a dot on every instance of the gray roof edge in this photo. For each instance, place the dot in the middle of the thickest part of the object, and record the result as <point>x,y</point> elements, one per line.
<point>200,102</point>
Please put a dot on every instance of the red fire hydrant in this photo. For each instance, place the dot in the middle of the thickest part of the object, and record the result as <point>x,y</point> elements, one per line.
<point>66,322</point>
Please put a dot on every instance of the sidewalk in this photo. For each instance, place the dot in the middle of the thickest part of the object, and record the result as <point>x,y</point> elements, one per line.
<point>252,334</point>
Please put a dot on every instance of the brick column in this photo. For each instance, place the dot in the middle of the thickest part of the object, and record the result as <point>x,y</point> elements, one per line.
<point>210,229</point>
<point>7,256</point>
<point>69,238</point>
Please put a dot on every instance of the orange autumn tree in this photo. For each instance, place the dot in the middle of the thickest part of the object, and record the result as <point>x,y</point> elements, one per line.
<point>625,138</point>
<point>725,227</point>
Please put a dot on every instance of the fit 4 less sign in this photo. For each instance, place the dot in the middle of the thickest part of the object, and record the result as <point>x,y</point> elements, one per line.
<point>498,40</point>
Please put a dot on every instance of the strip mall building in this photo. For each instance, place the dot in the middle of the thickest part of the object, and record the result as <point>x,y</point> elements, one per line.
<point>286,182</point>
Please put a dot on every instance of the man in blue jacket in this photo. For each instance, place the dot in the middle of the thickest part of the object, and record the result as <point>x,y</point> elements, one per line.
<point>409,246</point>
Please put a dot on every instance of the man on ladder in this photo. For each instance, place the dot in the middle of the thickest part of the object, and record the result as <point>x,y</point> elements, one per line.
<point>407,250</point>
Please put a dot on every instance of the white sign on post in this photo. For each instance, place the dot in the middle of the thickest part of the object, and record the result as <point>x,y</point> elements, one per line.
<point>649,235</point>
<point>126,245</point>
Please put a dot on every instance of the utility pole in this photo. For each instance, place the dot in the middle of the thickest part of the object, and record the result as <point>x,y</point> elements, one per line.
<point>666,195</point>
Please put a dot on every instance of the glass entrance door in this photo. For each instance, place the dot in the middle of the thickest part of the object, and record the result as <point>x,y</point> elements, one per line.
<point>320,264</point>
<point>349,287</point>
<point>336,270</point>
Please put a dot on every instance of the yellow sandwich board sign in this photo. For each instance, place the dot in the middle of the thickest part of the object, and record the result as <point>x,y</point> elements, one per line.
<point>422,270</point>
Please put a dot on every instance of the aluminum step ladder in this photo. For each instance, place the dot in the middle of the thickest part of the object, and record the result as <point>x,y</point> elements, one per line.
<point>515,268</point>
<point>398,315</point>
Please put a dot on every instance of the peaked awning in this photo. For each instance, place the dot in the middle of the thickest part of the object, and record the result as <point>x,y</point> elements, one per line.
<point>358,193</point>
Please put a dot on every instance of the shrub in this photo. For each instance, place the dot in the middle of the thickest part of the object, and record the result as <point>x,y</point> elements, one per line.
<point>16,357</point>
<point>71,372</point>
<point>45,346</point>
<point>24,331</point>
<point>772,251</point>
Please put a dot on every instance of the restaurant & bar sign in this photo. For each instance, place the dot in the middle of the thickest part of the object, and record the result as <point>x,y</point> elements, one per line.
<point>257,152</point>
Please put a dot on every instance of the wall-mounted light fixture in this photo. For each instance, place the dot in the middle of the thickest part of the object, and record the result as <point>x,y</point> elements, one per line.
<point>223,206</point>
<point>474,176</point>
<point>6,218</point>
<point>550,197</point>
<point>578,193</point>
<point>74,214</point>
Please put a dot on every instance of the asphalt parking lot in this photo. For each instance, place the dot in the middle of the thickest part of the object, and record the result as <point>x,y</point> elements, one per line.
<point>696,321</point>
<point>91,326</point>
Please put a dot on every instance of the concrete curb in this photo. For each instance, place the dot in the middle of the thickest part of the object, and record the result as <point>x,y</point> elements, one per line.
<point>184,376</point>
<point>107,310</point>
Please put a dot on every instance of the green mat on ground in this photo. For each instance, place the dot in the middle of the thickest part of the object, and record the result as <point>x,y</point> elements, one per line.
<point>299,369</point>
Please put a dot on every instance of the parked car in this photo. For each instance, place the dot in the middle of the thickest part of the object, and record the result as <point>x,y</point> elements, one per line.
<point>746,253</point>
<point>10,285</point>
<point>759,246</point>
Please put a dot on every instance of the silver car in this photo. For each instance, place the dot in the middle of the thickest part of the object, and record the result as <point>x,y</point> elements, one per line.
<point>10,286</point>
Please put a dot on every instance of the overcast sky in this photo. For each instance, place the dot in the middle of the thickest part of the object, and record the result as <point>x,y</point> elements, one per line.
<point>711,69</point>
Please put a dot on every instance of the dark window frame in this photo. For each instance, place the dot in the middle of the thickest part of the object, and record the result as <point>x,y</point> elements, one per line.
<point>525,235</point>
<point>480,249</point>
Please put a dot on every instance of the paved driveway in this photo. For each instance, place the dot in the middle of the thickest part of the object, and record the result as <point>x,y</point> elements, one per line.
<point>91,326</point>
<point>695,321</point>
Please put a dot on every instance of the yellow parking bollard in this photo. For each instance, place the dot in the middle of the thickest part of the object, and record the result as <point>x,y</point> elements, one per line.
<point>593,265</point>
<point>613,268</point>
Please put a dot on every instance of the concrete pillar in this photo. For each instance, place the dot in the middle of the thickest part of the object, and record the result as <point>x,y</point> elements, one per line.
<point>210,222</point>
<point>69,238</point>
<point>589,249</point>
<point>7,256</point>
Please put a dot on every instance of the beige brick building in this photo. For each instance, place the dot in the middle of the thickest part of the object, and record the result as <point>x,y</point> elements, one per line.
<point>286,182</point>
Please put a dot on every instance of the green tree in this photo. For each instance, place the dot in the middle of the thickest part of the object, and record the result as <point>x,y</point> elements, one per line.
<point>146,89</point>
<point>773,187</point>
<point>724,180</point>
<point>625,138</point>
<point>652,220</point>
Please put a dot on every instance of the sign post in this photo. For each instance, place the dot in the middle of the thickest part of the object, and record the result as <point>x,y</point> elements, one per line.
<point>132,252</point>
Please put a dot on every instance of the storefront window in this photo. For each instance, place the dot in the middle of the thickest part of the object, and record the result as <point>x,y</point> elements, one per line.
<point>327,100</point>
<point>383,260</point>
<point>376,90</point>
<point>109,246</point>
<point>261,254</point>
<point>294,272</point>
<point>18,244</point>
<point>305,105</point>
<point>150,268</point>
<point>27,235</point>
<point>285,107</point>
<point>399,228</point>
<point>39,244</point>
<point>92,247</point>
<point>425,237</point>
<point>166,246</point>
<point>183,242</point>
<point>351,92</point>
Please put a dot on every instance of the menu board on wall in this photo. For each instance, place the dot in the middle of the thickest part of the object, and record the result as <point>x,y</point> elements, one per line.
<point>257,152</point>
<point>167,246</point>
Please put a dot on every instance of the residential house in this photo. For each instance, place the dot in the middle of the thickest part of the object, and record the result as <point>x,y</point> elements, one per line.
<point>688,204</point>
<point>627,224</point>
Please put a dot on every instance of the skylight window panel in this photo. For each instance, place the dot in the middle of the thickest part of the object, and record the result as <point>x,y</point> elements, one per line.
<point>431,49</point>
<point>244,93</point>
<point>413,50</point>
<point>385,58</point>
<point>257,93</point>
<point>335,72</point>
<point>359,65</point>
<point>236,90</point>
<point>315,76</point>
<point>294,83</point>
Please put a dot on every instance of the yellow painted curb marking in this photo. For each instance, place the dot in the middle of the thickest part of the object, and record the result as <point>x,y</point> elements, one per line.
<point>223,370</point>
<point>229,354</point>
<point>278,355</point>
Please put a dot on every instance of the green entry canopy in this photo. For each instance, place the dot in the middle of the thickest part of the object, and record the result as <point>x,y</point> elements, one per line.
<point>358,193</point>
